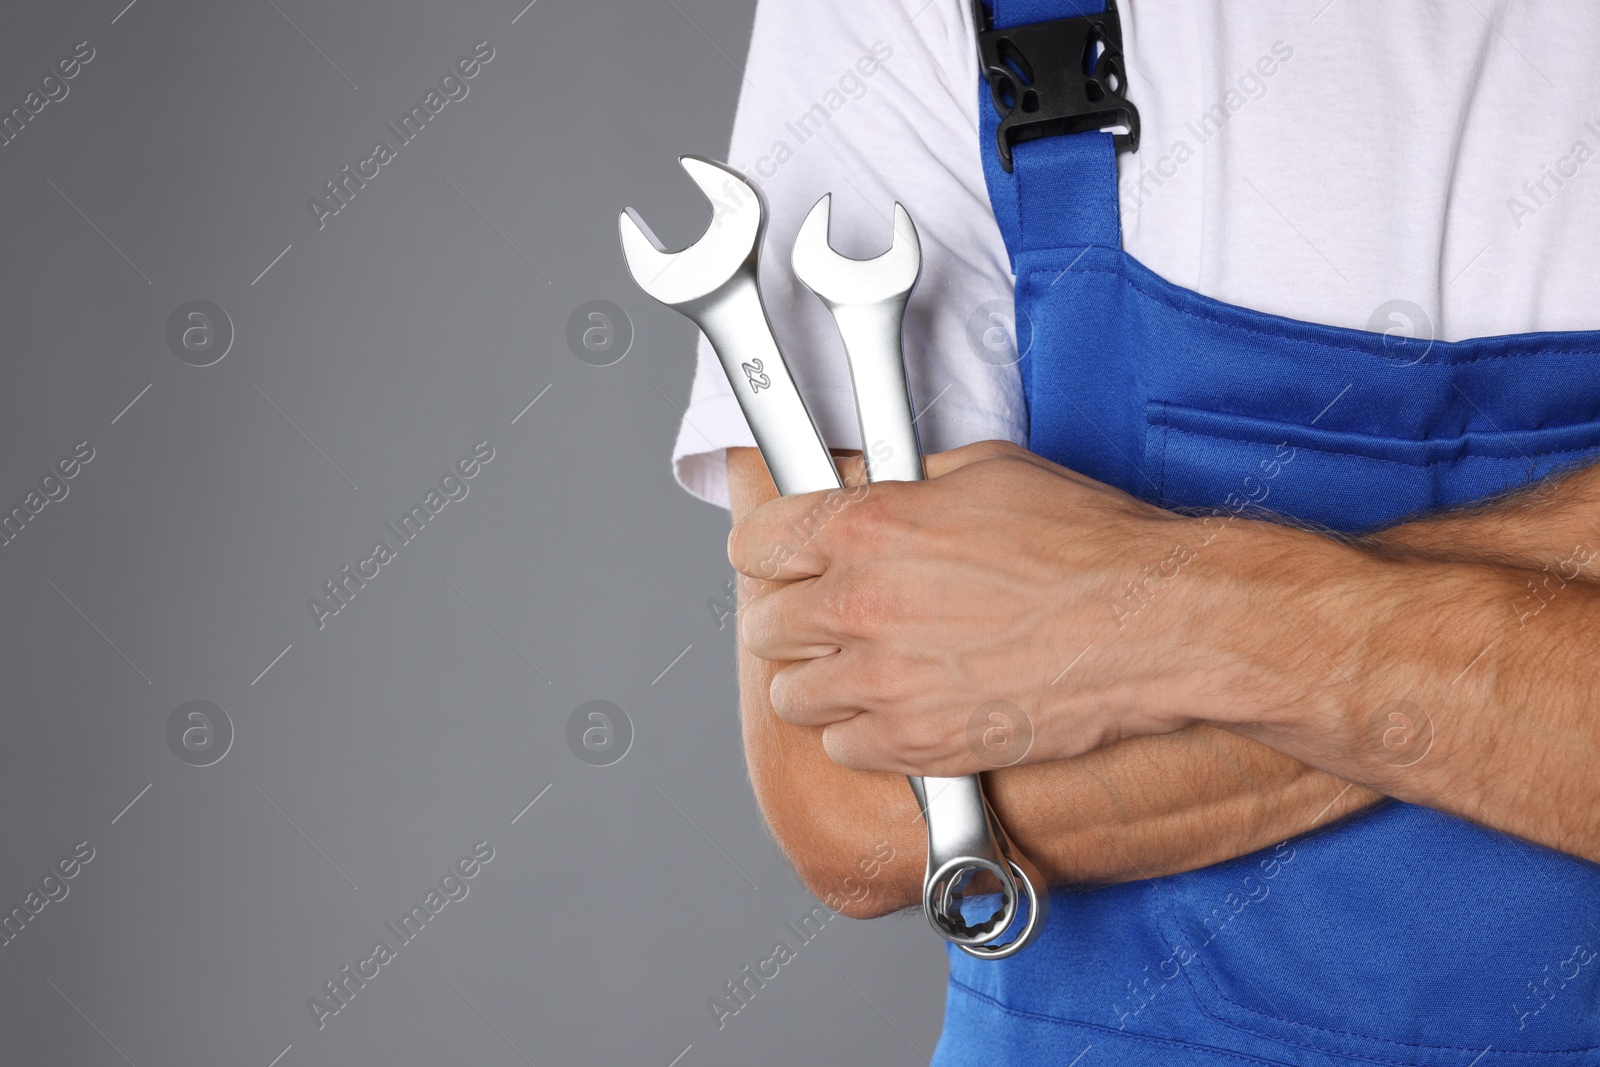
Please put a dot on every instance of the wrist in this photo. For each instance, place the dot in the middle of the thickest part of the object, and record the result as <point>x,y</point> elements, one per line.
<point>1346,658</point>
<point>1278,626</point>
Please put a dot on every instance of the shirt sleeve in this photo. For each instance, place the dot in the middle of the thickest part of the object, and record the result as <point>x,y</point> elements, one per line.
<point>873,102</point>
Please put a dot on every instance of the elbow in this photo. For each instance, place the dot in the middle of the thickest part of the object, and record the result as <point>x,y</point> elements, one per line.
<point>865,883</point>
<point>860,886</point>
<point>857,872</point>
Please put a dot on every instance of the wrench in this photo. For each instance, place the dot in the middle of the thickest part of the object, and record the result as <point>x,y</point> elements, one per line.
<point>867,299</point>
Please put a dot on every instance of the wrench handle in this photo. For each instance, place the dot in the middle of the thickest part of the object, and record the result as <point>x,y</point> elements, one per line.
<point>964,834</point>
<point>735,323</point>
<point>871,334</point>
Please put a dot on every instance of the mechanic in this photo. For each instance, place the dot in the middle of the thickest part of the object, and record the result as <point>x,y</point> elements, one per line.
<point>1278,540</point>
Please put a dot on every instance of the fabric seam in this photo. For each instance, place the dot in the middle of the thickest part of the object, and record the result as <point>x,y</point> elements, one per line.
<point>1167,428</point>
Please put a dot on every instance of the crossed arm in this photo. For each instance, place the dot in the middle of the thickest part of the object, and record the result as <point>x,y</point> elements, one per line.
<point>1142,808</point>
<point>1176,772</point>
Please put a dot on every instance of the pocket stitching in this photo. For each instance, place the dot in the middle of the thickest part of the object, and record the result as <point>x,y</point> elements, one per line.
<point>1167,428</point>
<point>1161,485</point>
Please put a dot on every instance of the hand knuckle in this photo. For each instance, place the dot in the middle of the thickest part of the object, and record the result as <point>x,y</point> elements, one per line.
<point>740,544</point>
<point>755,622</point>
<point>884,685</point>
<point>842,610</point>
<point>788,697</point>
<point>839,750</point>
<point>877,511</point>
<point>913,742</point>
<point>924,737</point>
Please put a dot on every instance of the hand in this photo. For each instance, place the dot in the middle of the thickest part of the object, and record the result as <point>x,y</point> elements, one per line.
<point>909,615</point>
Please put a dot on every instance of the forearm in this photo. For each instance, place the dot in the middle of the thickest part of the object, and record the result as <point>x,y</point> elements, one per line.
<point>1538,527</point>
<point>1159,805</point>
<point>1461,680</point>
<point>1154,806</point>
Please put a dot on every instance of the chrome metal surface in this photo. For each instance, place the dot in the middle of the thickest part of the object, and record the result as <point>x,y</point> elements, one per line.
<point>867,299</point>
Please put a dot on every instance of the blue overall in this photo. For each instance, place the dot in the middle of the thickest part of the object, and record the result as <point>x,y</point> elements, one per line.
<point>1397,936</point>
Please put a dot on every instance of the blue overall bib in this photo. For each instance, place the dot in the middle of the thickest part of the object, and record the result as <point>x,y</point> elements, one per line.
<point>1400,935</point>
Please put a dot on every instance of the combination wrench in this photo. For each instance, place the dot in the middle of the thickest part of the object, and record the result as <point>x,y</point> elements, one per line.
<point>713,282</point>
<point>867,299</point>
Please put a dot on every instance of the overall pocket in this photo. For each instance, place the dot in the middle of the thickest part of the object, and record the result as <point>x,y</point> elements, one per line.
<point>1344,481</point>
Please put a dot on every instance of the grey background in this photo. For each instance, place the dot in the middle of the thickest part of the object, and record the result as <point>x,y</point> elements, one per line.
<point>376,751</point>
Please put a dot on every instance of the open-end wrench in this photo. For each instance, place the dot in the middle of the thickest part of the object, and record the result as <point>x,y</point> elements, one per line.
<point>867,299</point>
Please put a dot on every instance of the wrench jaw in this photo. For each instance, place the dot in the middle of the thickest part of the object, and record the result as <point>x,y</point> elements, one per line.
<point>687,279</point>
<point>840,281</point>
<point>867,299</point>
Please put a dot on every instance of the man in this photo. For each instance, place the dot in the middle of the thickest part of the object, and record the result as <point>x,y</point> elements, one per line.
<point>1274,354</point>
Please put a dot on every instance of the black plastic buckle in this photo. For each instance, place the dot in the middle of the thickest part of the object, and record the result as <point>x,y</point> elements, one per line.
<point>1057,77</point>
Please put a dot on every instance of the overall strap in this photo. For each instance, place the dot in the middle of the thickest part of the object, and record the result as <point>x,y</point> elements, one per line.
<point>1061,191</point>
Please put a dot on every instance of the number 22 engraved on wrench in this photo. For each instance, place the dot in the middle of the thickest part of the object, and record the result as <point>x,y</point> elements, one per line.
<point>753,373</point>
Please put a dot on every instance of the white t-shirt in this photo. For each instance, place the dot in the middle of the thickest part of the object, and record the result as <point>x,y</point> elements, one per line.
<point>1424,167</point>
